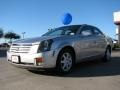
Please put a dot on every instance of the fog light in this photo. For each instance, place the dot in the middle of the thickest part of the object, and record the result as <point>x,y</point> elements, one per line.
<point>38,61</point>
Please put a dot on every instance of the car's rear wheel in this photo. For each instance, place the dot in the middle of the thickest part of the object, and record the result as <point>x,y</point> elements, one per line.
<point>107,56</point>
<point>65,61</point>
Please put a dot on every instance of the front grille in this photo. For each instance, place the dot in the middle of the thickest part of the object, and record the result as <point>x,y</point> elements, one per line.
<point>20,48</point>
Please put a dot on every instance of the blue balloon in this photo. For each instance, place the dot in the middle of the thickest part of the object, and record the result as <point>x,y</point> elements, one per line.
<point>67,19</point>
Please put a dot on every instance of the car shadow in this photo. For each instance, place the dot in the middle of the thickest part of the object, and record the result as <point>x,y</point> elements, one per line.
<point>116,50</point>
<point>97,68</point>
<point>94,68</point>
<point>3,53</point>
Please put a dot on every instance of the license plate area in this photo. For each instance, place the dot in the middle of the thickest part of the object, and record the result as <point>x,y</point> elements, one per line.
<point>15,59</point>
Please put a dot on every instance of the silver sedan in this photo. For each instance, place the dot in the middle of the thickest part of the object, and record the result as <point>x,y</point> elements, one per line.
<point>61,48</point>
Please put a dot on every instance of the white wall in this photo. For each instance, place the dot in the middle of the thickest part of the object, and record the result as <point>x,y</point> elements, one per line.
<point>116,16</point>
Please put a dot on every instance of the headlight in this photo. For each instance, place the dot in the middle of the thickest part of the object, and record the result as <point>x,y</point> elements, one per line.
<point>45,45</point>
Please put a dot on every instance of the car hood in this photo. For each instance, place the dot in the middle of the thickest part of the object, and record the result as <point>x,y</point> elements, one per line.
<point>34,40</point>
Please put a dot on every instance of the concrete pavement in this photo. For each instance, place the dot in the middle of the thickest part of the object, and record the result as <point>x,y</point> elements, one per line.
<point>94,75</point>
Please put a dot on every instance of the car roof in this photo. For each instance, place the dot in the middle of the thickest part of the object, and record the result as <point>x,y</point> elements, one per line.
<point>78,25</point>
<point>71,26</point>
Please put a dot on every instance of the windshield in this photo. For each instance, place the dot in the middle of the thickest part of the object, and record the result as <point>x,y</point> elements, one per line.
<point>67,30</point>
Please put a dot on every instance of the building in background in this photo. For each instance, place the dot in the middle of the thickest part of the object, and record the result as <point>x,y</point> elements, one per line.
<point>117,23</point>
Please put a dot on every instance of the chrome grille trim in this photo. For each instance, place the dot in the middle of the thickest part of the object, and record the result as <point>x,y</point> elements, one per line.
<point>20,48</point>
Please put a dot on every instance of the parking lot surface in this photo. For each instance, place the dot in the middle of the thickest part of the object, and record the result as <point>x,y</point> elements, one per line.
<point>94,75</point>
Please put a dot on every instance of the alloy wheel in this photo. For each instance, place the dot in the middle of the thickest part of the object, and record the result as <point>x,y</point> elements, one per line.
<point>66,61</point>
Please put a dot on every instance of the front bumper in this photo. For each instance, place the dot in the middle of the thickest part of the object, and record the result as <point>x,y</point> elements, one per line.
<point>28,61</point>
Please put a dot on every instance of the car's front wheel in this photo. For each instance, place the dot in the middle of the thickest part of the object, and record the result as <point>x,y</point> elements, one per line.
<point>107,56</point>
<point>65,61</point>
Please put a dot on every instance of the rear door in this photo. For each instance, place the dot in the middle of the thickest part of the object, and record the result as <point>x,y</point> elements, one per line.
<point>100,42</point>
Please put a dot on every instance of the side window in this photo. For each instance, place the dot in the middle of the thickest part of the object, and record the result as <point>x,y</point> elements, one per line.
<point>97,31</point>
<point>86,31</point>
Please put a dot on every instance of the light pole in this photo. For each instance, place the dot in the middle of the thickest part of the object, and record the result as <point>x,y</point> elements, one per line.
<point>23,33</point>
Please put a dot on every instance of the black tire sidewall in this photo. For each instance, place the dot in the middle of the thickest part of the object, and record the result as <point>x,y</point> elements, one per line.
<point>105,56</point>
<point>58,64</point>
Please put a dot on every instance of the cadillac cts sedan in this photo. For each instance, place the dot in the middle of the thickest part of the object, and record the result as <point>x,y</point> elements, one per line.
<point>61,48</point>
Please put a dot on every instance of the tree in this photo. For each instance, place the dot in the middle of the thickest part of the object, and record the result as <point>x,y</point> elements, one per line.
<point>17,36</point>
<point>11,35</point>
<point>1,32</point>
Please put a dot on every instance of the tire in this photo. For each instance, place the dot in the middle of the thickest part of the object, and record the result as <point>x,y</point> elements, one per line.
<point>65,61</point>
<point>107,56</point>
